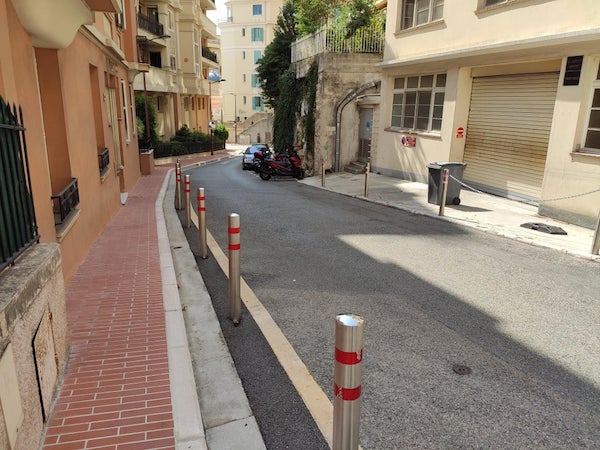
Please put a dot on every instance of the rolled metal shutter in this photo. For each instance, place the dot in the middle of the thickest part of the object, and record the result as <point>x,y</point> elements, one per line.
<point>507,133</point>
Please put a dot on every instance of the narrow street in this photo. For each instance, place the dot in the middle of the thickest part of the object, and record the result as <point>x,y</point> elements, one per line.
<point>433,295</point>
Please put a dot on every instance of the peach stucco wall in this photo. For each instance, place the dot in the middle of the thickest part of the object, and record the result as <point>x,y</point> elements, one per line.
<point>54,89</point>
<point>19,85</point>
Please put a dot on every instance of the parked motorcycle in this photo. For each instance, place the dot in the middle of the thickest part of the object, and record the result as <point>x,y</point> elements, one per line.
<point>288,164</point>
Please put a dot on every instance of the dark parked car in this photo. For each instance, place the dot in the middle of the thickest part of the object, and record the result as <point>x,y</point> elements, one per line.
<point>248,155</point>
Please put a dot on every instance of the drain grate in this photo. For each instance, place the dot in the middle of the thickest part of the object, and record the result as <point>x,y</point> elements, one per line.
<point>550,229</point>
<point>461,369</point>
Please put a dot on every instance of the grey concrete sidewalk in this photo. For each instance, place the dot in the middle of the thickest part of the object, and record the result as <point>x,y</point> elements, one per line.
<point>485,212</point>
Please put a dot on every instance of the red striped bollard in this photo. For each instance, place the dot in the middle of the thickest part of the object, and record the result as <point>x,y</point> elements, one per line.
<point>202,224</point>
<point>347,380</point>
<point>177,185</point>
<point>188,212</point>
<point>235,306</point>
<point>445,176</point>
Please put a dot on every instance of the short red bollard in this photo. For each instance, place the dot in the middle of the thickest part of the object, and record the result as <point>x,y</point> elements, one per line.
<point>235,305</point>
<point>202,223</point>
<point>177,185</point>
<point>347,381</point>
<point>188,213</point>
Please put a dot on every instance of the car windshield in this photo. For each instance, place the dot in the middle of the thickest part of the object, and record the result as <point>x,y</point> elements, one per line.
<point>252,150</point>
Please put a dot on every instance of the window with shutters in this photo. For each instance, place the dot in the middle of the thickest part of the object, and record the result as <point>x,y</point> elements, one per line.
<point>257,34</point>
<point>420,12</point>
<point>592,136</point>
<point>418,102</point>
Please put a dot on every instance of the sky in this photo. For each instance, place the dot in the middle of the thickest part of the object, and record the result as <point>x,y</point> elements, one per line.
<point>219,13</point>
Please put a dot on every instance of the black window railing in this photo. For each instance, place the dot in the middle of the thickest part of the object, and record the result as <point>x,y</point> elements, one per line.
<point>103,161</point>
<point>65,201</point>
<point>150,24</point>
<point>18,227</point>
<point>209,54</point>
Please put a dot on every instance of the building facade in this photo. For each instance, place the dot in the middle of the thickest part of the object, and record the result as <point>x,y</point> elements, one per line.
<point>245,32</point>
<point>516,98</point>
<point>68,157</point>
<point>175,43</point>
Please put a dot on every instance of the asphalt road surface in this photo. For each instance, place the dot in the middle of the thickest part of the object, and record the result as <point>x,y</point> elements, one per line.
<point>524,320</point>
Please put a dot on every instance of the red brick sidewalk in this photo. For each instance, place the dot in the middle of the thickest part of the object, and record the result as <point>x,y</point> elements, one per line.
<point>116,390</point>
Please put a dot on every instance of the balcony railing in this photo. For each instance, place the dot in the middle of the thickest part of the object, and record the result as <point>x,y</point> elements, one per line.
<point>209,54</point>
<point>332,39</point>
<point>103,161</point>
<point>18,228</point>
<point>65,201</point>
<point>151,25</point>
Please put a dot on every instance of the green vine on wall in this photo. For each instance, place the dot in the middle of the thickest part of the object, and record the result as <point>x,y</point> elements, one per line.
<point>310,96</point>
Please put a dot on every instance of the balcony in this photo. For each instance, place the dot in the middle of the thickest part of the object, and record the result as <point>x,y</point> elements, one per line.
<point>209,54</point>
<point>103,161</point>
<point>332,39</point>
<point>65,201</point>
<point>150,25</point>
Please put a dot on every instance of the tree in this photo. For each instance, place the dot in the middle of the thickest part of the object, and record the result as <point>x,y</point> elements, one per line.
<point>277,57</point>
<point>140,112</point>
<point>313,14</point>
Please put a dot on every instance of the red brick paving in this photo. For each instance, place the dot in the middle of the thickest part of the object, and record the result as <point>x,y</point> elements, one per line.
<point>116,393</point>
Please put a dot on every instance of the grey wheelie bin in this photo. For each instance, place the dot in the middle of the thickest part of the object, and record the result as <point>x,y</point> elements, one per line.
<point>436,173</point>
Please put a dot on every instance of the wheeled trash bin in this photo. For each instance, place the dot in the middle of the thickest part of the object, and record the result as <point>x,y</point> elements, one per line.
<point>436,174</point>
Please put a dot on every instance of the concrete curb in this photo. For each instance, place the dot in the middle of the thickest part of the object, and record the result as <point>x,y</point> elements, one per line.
<point>226,415</point>
<point>187,418</point>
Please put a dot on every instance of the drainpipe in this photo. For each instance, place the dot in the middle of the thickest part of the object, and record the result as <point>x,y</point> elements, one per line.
<point>338,116</point>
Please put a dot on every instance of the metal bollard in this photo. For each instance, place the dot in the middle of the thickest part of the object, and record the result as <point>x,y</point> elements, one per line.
<point>188,206</point>
<point>323,172</point>
<point>596,241</point>
<point>202,224</point>
<point>445,174</point>
<point>347,381</point>
<point>177,185</point>
<point>367,170</point>
<point>235,306</point>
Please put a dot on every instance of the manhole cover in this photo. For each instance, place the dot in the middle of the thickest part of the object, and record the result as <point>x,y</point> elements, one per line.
<point>461,370</point>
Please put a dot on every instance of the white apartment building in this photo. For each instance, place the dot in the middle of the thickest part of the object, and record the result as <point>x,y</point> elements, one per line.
<point>245,32</point>
<point>509,87</point>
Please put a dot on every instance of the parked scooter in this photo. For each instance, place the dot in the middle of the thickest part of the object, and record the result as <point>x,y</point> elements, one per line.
<point>288,164</point>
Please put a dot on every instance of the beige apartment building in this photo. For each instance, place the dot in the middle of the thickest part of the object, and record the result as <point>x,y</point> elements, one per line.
<point>509,87</point>
<point>174,42</point>
<point>245,32</point>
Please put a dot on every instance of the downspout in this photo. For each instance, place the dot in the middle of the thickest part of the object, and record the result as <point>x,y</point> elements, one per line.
<point>338,116</point>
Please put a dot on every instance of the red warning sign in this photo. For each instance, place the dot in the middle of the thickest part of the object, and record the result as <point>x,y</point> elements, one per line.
<point>460,132</point>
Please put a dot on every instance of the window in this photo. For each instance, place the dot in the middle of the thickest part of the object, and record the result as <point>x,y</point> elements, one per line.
<point>257,103</point>
<point>419,12</point>
<point>255,82</point>
<point>493,2</point>
<point>244,77</point>
<point>418,102</point>
<point>173,61</point>
<point>125,107</point>
<point>257,56</point>
<point>243,54</point>
<point>196,53</point>
<point>243,32</point>
<point>257,34</point>
<point>244,99</point>
<point>171,23</point>
<point>592,137</point>
<point>256,10</point>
